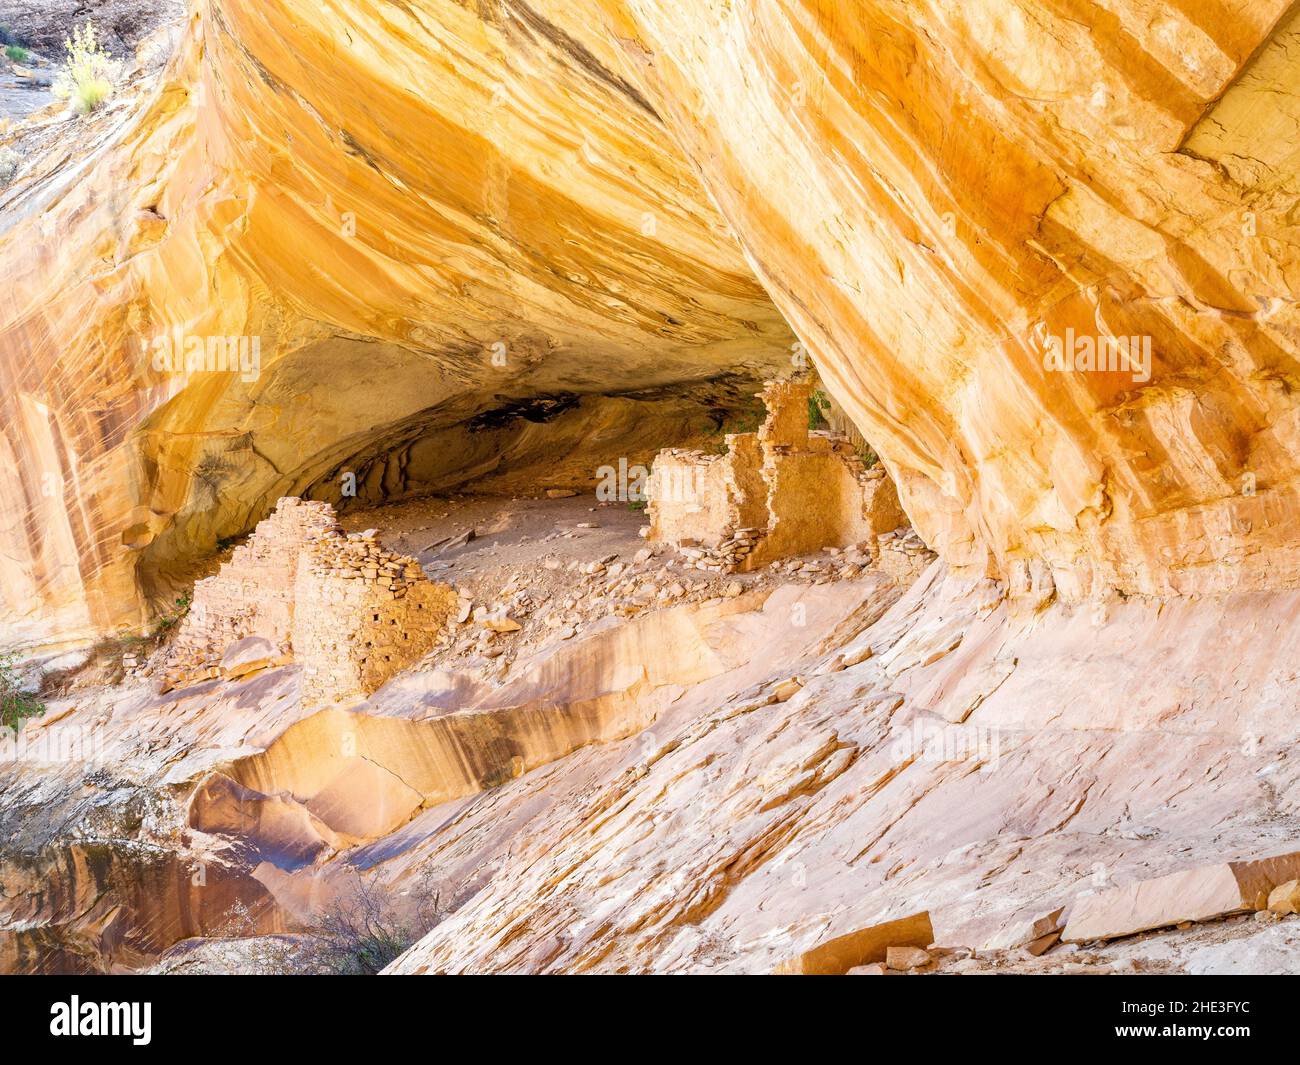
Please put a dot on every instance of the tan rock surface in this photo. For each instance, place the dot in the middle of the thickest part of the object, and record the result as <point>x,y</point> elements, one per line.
<point>436,270</point>
<point>531,238</point>
<point>1130,199</point>
<point>1138,189</point>
<point>888,940</point>
<point>1285,898</point>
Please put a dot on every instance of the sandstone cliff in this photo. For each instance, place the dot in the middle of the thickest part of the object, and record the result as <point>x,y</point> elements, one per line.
<point>1040,256</point>
<point>494,227</point>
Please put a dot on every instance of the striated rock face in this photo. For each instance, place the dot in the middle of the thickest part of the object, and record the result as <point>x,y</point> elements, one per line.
<point>1042,261</point>
<point>949,756</point>
<point>938,194</point>
<point>1042,257</point>
<point>385,286</point>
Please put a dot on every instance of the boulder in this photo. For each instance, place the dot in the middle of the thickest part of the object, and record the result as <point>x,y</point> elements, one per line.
<point>1190,895</point>
<point>249,655</point>
<point>901,959</point>
<point>1285,898</point>
<point>837,956</point>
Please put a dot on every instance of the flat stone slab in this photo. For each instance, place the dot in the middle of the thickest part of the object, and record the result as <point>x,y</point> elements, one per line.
<point>837,956</point>
<point>248,655</point>
<point>1199,894</point>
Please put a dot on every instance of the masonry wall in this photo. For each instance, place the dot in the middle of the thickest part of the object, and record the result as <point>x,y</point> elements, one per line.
<point>346,609</point>
<point>780,492</point>
<point>688,497</point>
<point>253,594</point>
<point>363,613</point>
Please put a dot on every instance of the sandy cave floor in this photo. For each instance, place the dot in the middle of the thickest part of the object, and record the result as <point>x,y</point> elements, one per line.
<point>558,567</point>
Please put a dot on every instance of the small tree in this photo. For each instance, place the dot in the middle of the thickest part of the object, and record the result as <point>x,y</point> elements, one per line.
<point>89,74</point>
<point>362,931</point>
<point>16,704</point>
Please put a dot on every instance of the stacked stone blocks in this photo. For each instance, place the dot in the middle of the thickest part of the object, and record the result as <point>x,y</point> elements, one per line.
<point>346,609</point>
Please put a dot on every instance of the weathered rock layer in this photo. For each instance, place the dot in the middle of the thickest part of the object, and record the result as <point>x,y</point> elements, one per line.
<point>941,198</point>
<point>491,227</point>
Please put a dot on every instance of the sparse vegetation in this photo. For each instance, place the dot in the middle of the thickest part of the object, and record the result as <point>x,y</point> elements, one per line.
<point>103,665</point>
<point>9,160</point>
<point>357,935</point>
<point>17,53</point>
<point>16,703</point>
<point>818,404</point>
<point>362,933</point>
<point>164,623</point>
<point>89,74</point>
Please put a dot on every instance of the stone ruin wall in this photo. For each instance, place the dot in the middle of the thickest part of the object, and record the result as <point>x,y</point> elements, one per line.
<point>363,613</point>
<point>346,609</point>
<point>689,495</point>
<point>777,493</point>
<point>252,595</point>
<point>823,496</point>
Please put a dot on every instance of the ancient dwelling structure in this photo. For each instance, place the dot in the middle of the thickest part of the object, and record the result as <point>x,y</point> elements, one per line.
<point>347,610</point>
<point>783,491</point>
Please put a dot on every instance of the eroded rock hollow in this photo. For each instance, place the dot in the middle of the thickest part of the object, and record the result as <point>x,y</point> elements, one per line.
<point>990,607</point>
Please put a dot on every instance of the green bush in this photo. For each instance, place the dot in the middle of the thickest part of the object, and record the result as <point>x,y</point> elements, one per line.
<point>89,74</point>
<point>17,53</point>
<point>818,404</point>
<point>16,705</point>
<point>166,622</point>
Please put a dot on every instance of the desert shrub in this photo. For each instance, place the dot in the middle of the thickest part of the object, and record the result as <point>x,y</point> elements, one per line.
<point>16,704</point>
<point>358,935</point>
<point>89,74</point>
<point>9,160</point>
<point>364,930</point>
<point>165,622</point>
<point>17,53</point>
<point>818,404</point>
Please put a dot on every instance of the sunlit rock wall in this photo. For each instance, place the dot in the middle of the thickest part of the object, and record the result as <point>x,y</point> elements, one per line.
<point>946,197</point>
<point>394,219</point>
<point>425,211</point>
